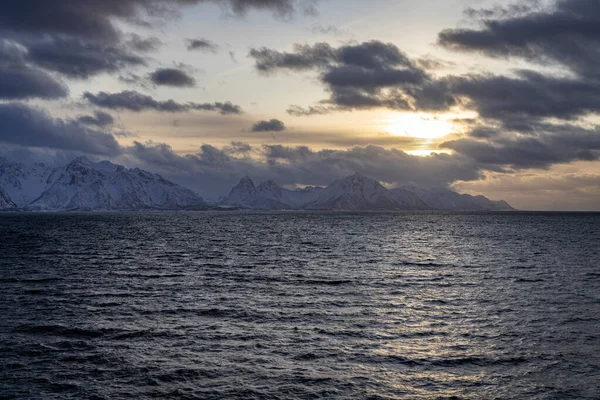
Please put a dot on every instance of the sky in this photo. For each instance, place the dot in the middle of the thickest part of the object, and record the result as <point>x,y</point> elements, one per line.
<point>498,98</point>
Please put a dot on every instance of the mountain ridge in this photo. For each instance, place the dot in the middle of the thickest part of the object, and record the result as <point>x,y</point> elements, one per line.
<point>84,185</point>
<point>355,193</point>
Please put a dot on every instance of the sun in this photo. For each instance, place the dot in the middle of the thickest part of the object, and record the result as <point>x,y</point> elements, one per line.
<point>420,125</point>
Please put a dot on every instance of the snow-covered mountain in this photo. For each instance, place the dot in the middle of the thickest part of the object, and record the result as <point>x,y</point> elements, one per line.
<point>293,199</point>
<point>440,198</point>
<point>354,193</point>
<point>268,196</point>
<point>23,183</point>
<point>5,201</point>
<point>85,185</point>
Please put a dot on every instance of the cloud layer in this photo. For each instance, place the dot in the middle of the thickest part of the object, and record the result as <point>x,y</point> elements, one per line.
<point>137,102</point>
<point>28,126</point>
<point>215,170</point>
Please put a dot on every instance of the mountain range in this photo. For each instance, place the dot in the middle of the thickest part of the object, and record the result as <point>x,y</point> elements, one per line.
<point>354,193</point>
<point>83,185</point>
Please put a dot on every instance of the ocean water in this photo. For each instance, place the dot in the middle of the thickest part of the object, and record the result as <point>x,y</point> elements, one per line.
<point>300,306</point>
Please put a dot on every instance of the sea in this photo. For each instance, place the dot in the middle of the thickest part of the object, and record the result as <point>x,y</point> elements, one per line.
<point>300,305</point>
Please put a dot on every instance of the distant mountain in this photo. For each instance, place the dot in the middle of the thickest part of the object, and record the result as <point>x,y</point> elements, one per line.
<point>268,196</point>
<point>88,186</point>
<point>5,201</point>
<point>246,195</point>
<point>23,183</point>
<point>410,200</point>
<point>85,185</point>
<point>445,199</point>
<point>354,193</point>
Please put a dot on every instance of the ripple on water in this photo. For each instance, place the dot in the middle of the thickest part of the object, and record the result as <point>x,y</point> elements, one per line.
<point>299,306</point>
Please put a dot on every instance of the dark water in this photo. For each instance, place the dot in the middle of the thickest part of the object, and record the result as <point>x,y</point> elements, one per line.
<point>300,306</point>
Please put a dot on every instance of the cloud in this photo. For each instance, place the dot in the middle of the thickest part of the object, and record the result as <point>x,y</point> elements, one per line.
<point>78,58</point>
<point>299,111</point>
<point>28,126</point>
<point>279,7</point>
<point>137,102</point>
<point>214,170</point>
<point>92,19</point>
<point>202,44</point>
<point>429,62</point>
<point>360,76</point>
<point>143,44</point>
<point>304,58</point>
<point>99,119</point>
<point>530,94</point>
<point>536,145</point>
<point>83,38</point>
<point>565,33</point>
<point>20,81</point>
<point>273,125</point>
<point>325,30</point>
<point>172,77</point>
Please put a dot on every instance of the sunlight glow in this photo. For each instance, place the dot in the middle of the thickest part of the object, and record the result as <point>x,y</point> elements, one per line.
<point>420,125</point>
<point>427,152</point>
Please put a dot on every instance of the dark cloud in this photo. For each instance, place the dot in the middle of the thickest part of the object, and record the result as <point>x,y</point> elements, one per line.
<point>279,7</point>
<point>99,119</point>
<point>27,126</point>
<point>360,76</point>
<point>304,58</point>
<point>530,94</point>
<point>20,81</point>
<point>273,125</point>
<point>81,38</point>
<point>566,33</point>
<point>538,145</point>
<point>172,77</point>
<point>213,170</point>
<point>95,19</point>
<point>520,115</point>
<point>137,102</point>
<point>202,45</point>
<point>77,58</point>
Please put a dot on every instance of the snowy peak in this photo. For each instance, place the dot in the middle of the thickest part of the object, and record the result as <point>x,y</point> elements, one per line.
<point>85,185</point>
<point>356,192</point>
<point>242,194</point>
